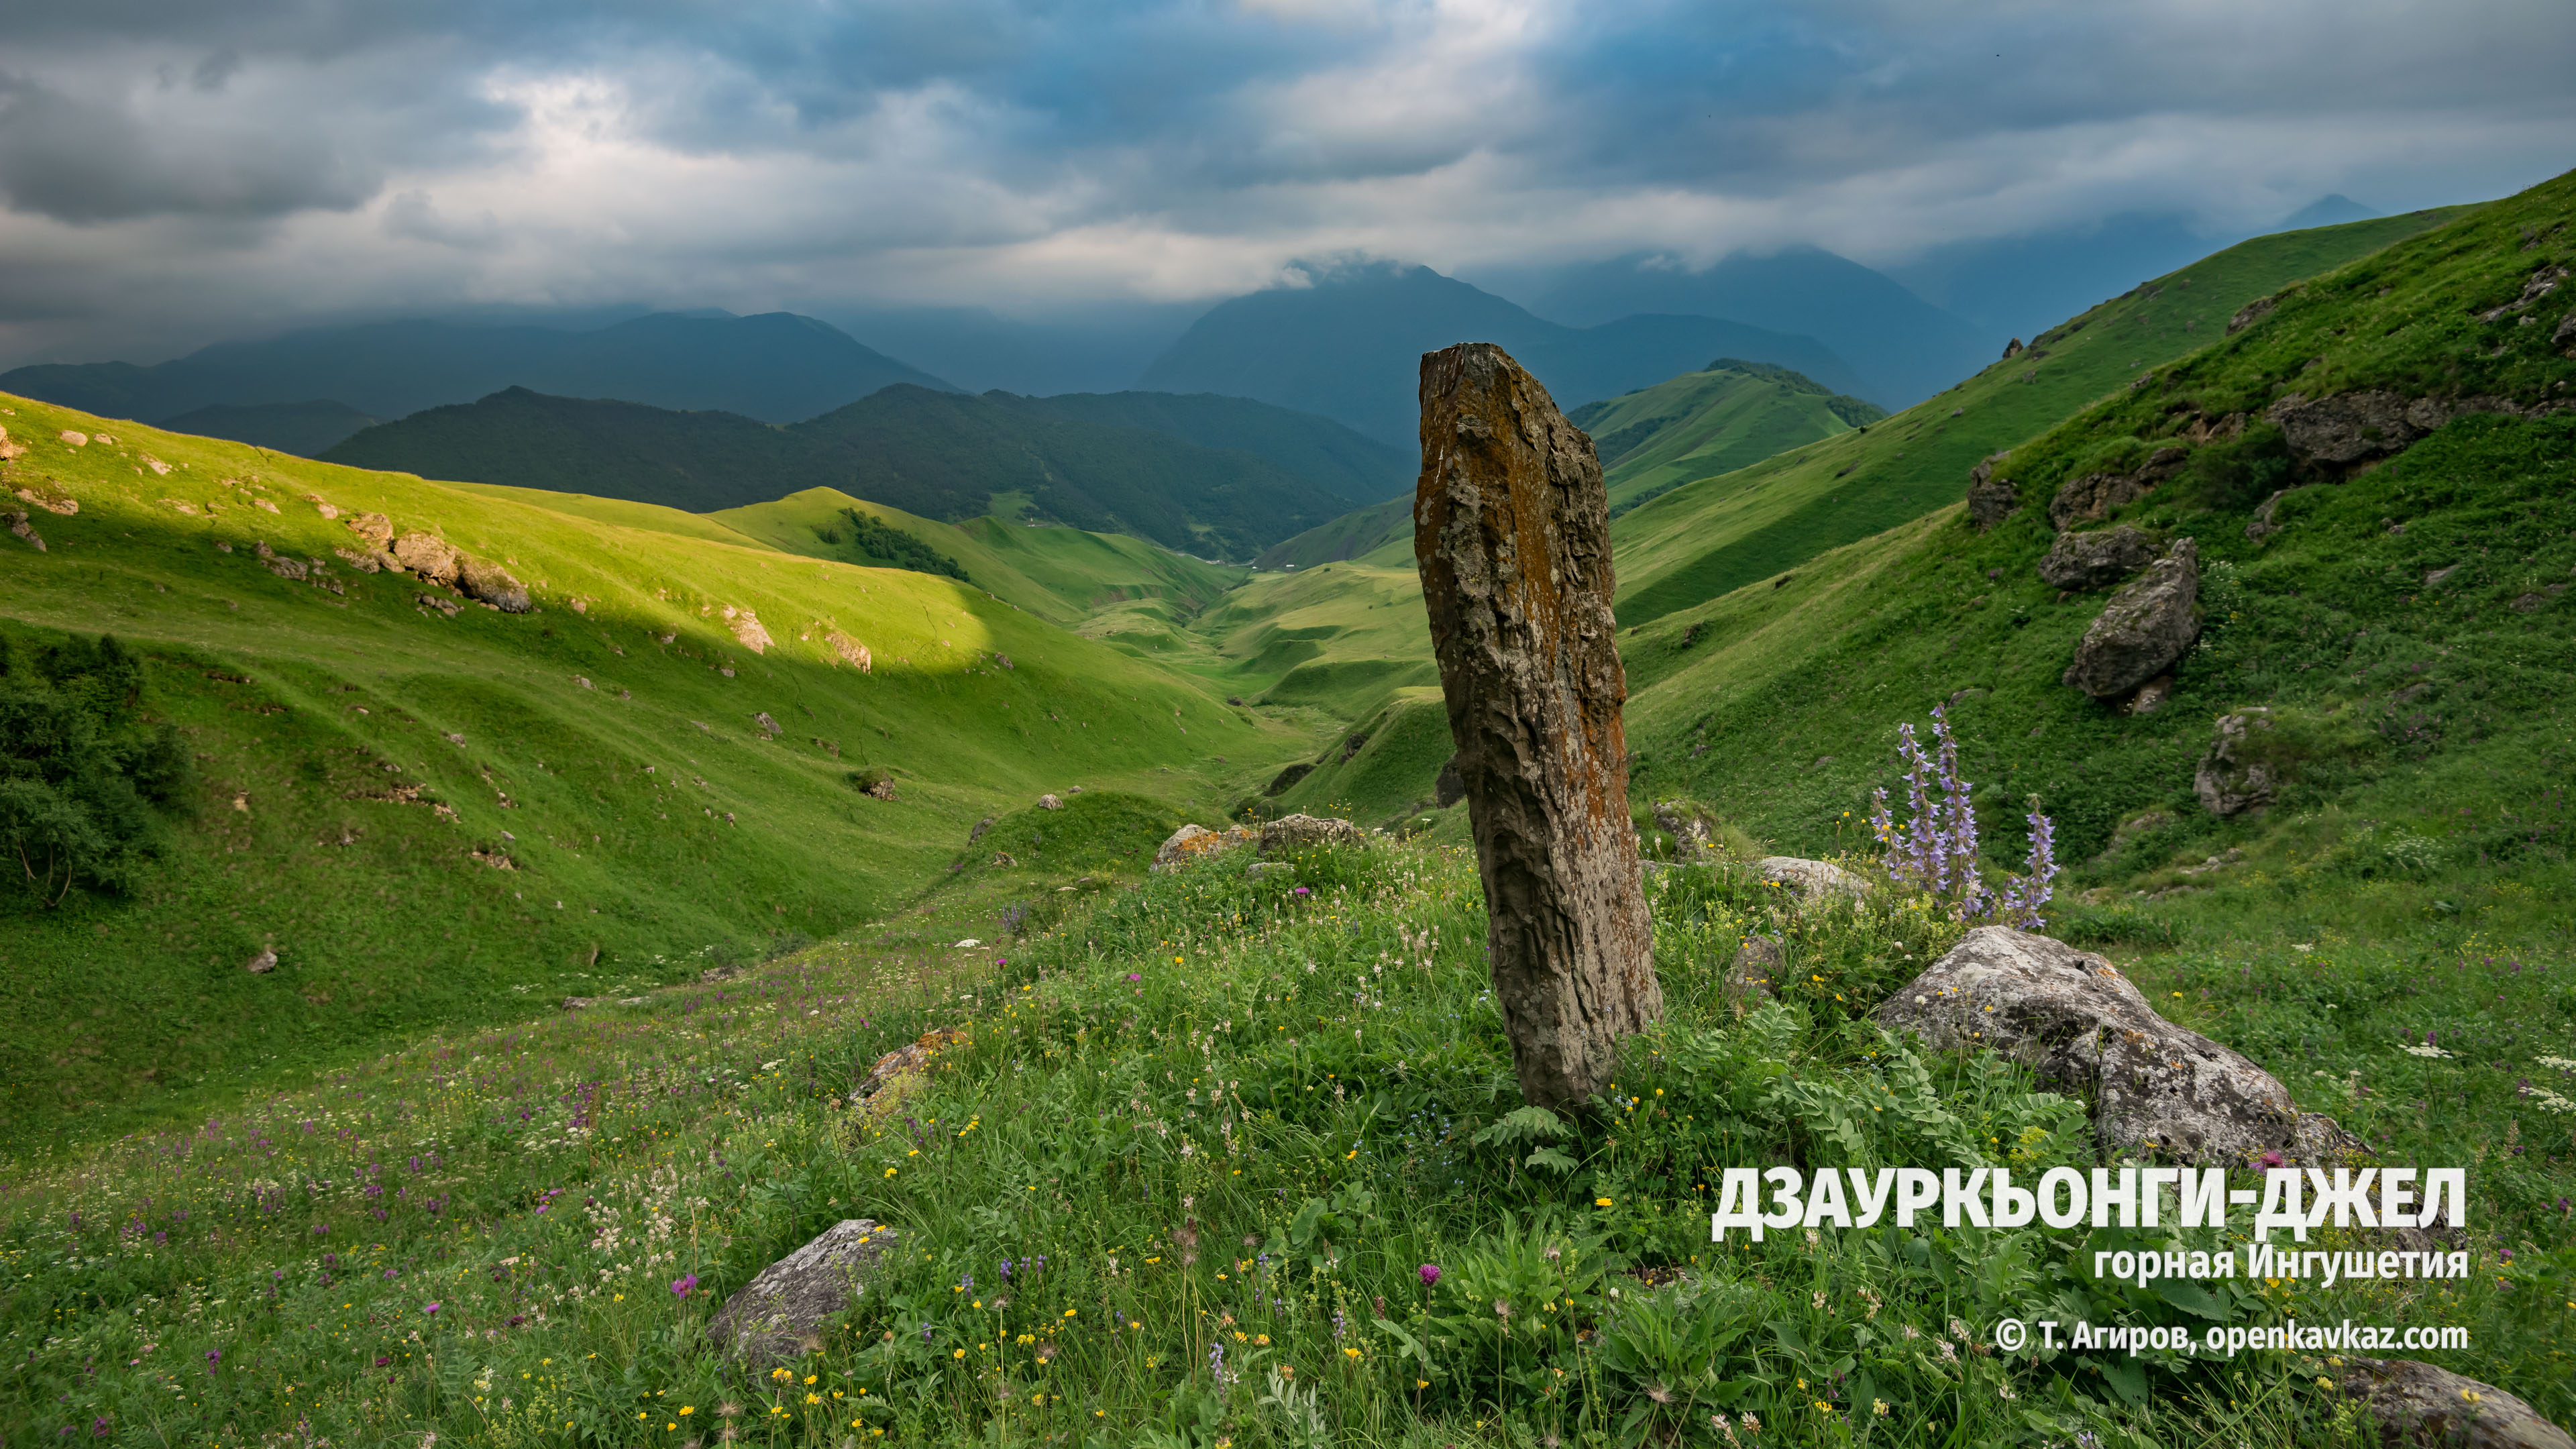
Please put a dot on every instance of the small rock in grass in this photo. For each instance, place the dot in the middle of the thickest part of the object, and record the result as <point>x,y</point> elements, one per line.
<point>263,963</point>
<point>1049,802</point>
<point>2230,780</point>
<point>1755,972</point>
<point>1812,880</point>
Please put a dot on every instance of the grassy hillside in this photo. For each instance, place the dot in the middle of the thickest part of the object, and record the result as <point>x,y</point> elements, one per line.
<point>2407,623</point>
<point>933,454</point>
<point>1724,416</point>
<point>1062,575</point>
<point>395,798</point>
<point>1700,540</point>
<point>1339,1230</point>
<point>1728,415</point>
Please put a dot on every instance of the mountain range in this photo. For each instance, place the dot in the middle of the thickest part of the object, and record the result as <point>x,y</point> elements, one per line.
<point>1348,343</point>
<point>777,367</point>
<point>1110,463</point>
<point>1900,348</point>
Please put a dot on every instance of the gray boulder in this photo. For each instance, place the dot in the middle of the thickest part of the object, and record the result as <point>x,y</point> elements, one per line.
<point>1305,832</point>
<point>779,1314</point>
<point>2416,1403</point>
<point>2345,428</point>
<point>1991,500</point>
<point>485,580</point>
<point>2145,628</point>
<point>428,556</point>
<point>2095,560</point>
<point>2349,427</point>
<point>2229,782</point>
<point>2086,1029</point>
<point>1812,881</point>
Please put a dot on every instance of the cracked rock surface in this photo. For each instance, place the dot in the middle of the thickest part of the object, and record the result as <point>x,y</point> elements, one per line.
<point>2158,1089</point>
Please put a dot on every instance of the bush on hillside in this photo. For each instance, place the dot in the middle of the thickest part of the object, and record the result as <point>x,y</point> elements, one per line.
<point>882,542</point>
<point>80,771</point>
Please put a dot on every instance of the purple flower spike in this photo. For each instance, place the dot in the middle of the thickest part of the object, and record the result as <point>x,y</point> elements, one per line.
<point>684,1286</point>
<point>431,1309</point>
<point>1430,1273</point>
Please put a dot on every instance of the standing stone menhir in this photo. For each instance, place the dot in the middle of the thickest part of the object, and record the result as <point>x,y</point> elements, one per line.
<point>1511,530</point>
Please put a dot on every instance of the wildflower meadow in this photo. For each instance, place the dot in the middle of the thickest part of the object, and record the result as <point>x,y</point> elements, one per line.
<point>1218,1160</point>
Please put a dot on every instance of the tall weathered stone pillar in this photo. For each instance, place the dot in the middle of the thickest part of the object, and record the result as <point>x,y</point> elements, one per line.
<point>1511,529</point>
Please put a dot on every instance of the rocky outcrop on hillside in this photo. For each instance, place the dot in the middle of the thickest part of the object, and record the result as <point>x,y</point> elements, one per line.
<point>430,558</point>
<point>778,1315</point>
<point>1991,500</point>
<point>2097,496</point>
<point>2351,427</point>
<point>2147,626</point>
<point>487,582</point>
<point>2229,782</point>
<point>2095,560</point>
<point>2084,1028</point>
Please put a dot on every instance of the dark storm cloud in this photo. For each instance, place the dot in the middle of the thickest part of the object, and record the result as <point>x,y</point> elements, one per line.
<point>299,158</point>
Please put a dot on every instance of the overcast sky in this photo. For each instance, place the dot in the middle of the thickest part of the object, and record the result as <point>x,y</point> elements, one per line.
<point>181,171</point>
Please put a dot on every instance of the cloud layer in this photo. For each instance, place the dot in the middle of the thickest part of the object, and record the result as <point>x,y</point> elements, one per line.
<point>173,172</point>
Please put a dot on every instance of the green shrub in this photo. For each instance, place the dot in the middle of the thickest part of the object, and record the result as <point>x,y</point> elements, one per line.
<point>81,773</point>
